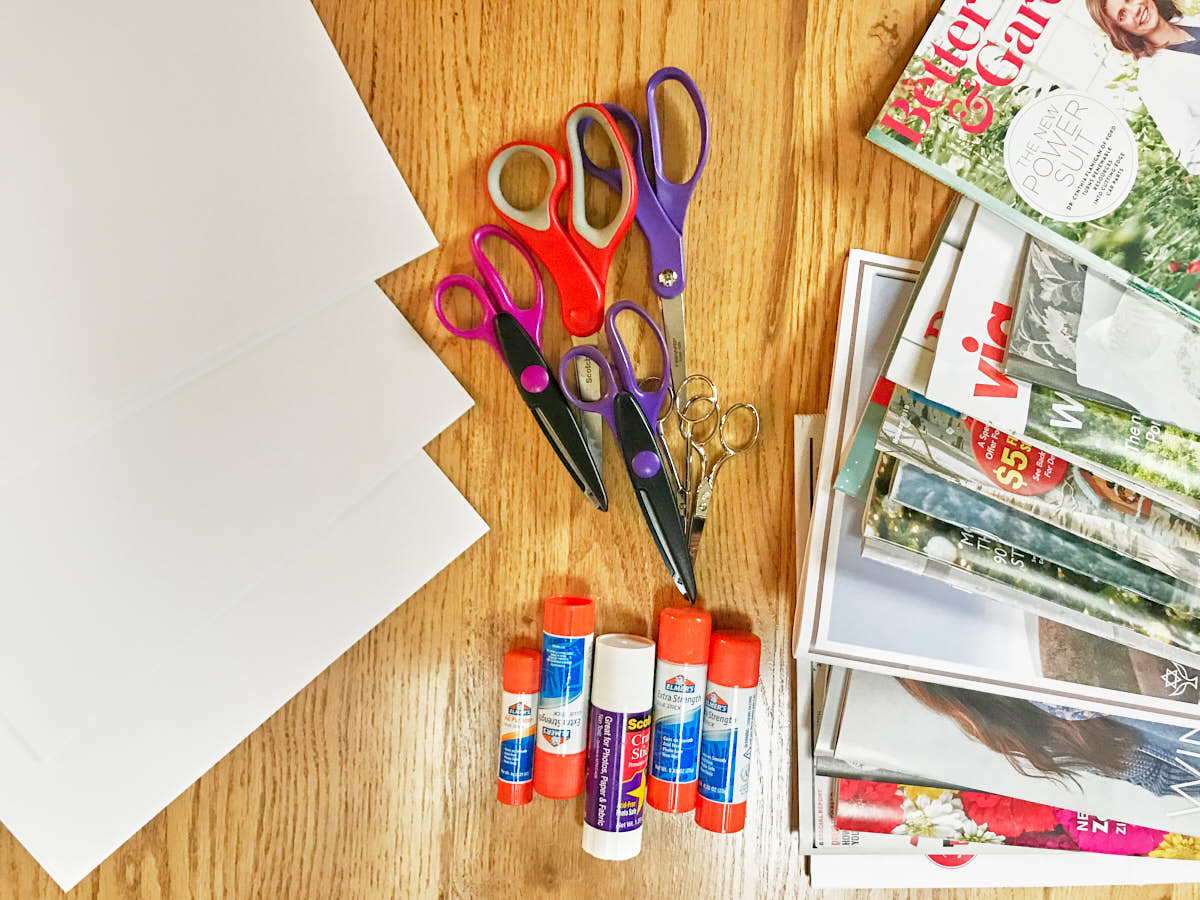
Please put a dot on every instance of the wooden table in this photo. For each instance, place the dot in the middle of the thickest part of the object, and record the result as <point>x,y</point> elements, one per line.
<point>378,779</point>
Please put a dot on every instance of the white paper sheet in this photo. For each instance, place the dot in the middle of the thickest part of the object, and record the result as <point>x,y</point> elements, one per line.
<point>179,179</point>
<point>73,811</point>
<point>114,550</point>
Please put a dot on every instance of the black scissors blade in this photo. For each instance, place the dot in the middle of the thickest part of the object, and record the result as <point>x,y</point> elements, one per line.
<point>541,393</point>
<point>658,500</point>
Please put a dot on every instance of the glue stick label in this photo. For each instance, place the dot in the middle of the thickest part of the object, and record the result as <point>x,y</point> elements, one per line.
<point>566,677</point>
<point>725,745</point>
<point>678,702</point>
<point>517,728</point>
<point>618,750</point>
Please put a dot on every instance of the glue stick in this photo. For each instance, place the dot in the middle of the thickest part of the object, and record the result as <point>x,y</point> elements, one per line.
<point>680,676</point>
<point>518,725</point>
<point>618,746</point>
<point>562,708</point>
<point>727,734</point>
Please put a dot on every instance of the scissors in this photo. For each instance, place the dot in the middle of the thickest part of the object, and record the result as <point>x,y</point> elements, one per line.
<point>629,409</point>
<point>577,256</point>
<point>709,408</point>
<point>661,207</point>
<point>516,335</point>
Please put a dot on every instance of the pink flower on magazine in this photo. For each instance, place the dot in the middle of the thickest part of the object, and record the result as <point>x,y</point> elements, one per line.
<point>871,806</point>
<point>1108,835</point>
<point>1008,816</point>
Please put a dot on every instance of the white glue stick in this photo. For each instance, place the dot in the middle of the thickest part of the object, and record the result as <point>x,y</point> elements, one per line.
<point>618,746</point>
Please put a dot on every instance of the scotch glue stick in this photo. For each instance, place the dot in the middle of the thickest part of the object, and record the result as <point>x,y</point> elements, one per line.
<point>618,746</point>
<point>563,705</point>
<point>727,733</point>
<point>518,724</point>
<point>680,675</point>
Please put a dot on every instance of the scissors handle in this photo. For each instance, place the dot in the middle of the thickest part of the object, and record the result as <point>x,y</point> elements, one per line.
<point>608,380</point>
<point>485,330</point>
<point>598,244</point>
<point>529,317</point>
<point>581,295</point>
<point>674,196</point>
<point>650,400</point>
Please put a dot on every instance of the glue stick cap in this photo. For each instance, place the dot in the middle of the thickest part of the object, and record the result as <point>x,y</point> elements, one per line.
<point>570,616</point>
<point>683,635</point>
<point>522,671</point>
<point>733,658</point>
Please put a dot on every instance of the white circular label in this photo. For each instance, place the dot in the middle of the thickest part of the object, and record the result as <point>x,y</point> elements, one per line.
<point>1070,157</point>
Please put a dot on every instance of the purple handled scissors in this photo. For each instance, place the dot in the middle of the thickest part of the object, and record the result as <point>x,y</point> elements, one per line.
<point>629,409</point>
<point>661,207</point>
<point>516,335</point>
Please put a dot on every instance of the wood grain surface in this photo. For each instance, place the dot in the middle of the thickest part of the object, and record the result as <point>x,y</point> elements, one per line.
<point>377,780</point>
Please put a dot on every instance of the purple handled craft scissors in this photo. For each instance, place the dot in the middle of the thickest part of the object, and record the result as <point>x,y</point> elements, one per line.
<point>661,207</point>
<point>629,409</point>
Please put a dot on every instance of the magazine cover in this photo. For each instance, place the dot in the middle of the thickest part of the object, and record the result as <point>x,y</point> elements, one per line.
<point>1114,767</point>
<point>974,818</point>
<point>986,460</point>
<point>972,560</point>
<point>920,491</point>
<point>1075,121</point>
<point>1045,323</point>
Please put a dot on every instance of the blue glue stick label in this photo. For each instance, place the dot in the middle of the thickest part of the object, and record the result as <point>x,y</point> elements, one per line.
<point>678,703</point>
<point>726,740</point>
<point>566,678</point>
<point>618,750</point>
<point>517,727</point>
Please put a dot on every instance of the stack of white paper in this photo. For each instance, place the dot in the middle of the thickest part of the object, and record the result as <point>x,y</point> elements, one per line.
<point>211,477</point>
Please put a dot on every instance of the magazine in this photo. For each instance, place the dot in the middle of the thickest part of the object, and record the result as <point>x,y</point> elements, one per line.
<point>1075,129</point>
<point>975,561</point>
<point>1122,768</point>
<point>974,818</point>
<point>983,459</point>
<point>1045,324</point>
<point>920,491</point>
<point>854,611</point>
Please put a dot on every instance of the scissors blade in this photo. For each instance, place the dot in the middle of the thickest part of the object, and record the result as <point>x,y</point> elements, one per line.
<point>675,331</point>
<point>704,492</point>
<point>549,406</point>
<point>653,490</point>
<point>588,386</point>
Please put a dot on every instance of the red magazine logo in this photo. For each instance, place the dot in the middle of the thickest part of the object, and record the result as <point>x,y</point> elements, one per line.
<point>949,860</point>
<point>991,352</point>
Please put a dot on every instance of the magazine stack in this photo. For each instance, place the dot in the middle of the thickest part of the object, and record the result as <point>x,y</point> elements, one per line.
<point>998,519</point>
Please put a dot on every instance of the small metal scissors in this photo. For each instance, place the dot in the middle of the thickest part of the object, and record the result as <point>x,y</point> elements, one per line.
<point>516,335</point>
<point>629,409</point>
<point>696,411</point>
<point>577,256</point>
<point>661,207</point>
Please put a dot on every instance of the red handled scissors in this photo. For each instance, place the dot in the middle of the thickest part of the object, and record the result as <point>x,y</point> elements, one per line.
<point>578,255</point>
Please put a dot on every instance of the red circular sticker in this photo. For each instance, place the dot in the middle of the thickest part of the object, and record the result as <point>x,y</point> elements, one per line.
<point>949,861</point>
<point>1014,465</point>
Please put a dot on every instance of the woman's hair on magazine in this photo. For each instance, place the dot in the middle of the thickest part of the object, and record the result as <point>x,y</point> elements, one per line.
<point>1034,741</point>
<point>1123,40</point>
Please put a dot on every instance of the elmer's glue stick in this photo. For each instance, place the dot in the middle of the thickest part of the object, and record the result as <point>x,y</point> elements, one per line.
<point>618,746</point>
<point>562,708</point>
<point>679,681</point>
<point>518,725</point>
<point>727,732</point>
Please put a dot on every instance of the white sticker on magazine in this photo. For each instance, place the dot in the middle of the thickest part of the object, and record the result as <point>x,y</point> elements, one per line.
<point>1070,157</point>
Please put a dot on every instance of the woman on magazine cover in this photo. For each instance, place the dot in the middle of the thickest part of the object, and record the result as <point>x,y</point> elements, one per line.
<point>1166,45</point>
<point>1057,742</point>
